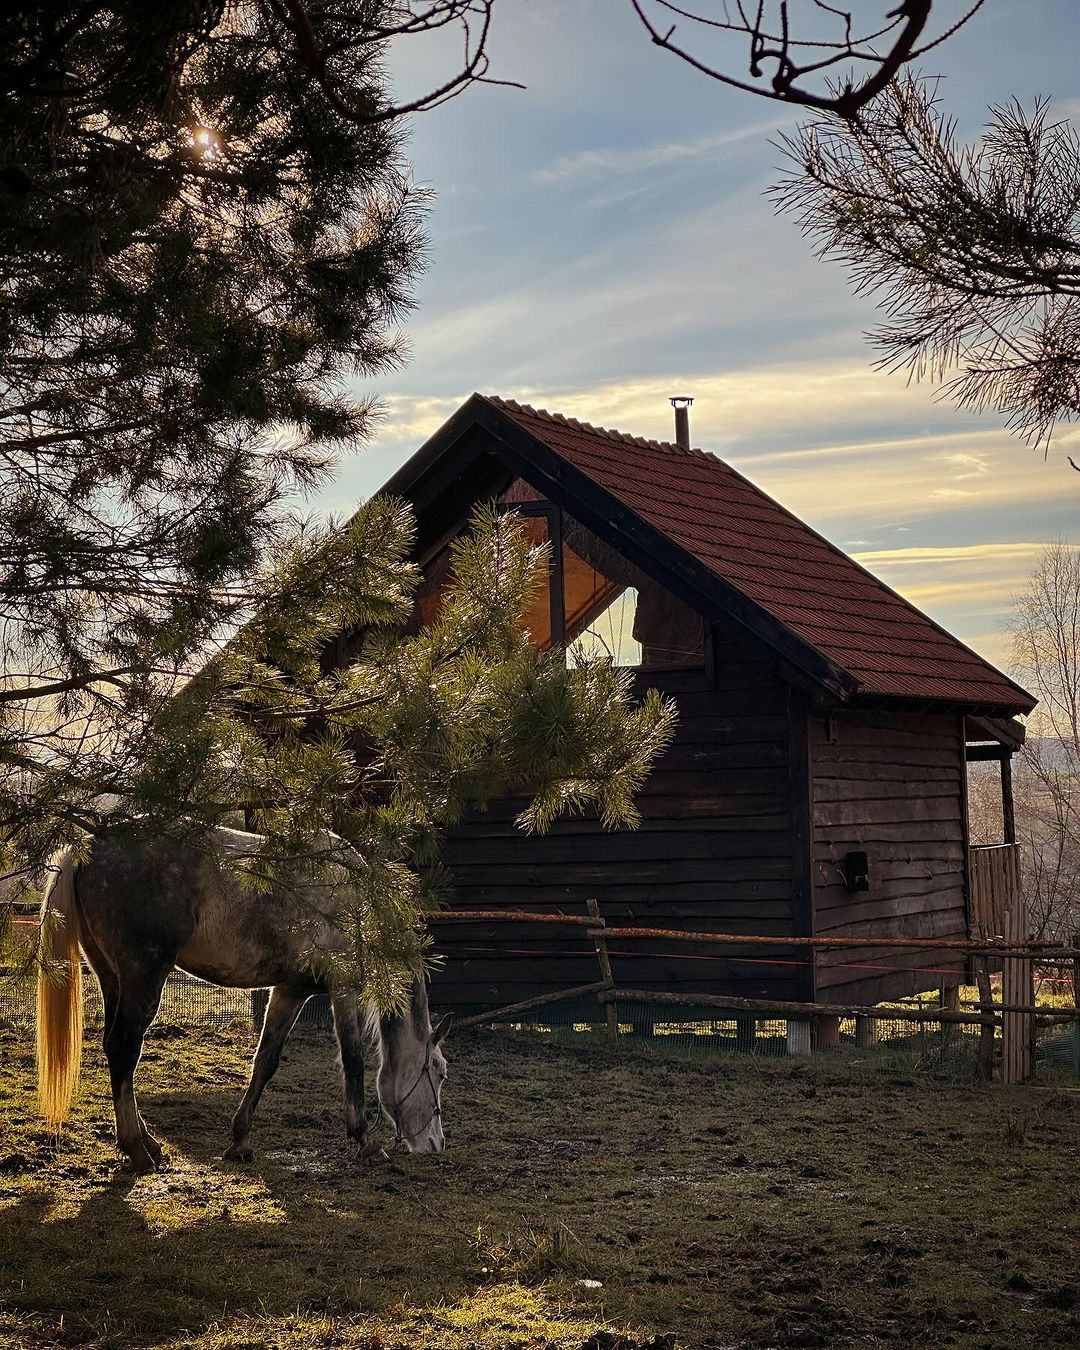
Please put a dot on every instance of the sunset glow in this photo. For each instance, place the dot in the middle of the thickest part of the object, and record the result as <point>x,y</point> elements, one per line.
<point>618,248</point>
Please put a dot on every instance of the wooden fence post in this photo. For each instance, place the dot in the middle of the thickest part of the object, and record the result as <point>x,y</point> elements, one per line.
<point>798,1036</point>
<point>1016,989</point>
<point>986,1034</point>
<point>950,1001</point>
<point>605,968</point>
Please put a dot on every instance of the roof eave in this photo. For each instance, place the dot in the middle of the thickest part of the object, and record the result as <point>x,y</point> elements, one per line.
<point>985,710</point>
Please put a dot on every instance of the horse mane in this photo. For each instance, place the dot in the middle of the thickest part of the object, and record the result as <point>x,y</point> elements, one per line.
<point>370,1029</point>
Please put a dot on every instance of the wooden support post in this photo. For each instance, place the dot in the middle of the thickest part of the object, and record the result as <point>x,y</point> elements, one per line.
<point>605,967</point>
<point>746,1034</point>
<point>798,1036</point>
<point>1076,972</point>
<point>986,1035</point>
<point>1008,815</point>
<point>1016,988</point>
<point>866,1032</point>
<point>950,1001</point>
<point>828,1033</point>
<point>1076,1004</point>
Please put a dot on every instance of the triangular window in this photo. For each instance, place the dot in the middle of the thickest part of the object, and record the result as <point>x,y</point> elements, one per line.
<point>597,603</point>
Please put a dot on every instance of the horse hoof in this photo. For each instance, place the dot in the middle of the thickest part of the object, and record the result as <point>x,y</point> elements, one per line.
<point>140,1163</point>
<point>374,1153</point>
<point>240,1153</point>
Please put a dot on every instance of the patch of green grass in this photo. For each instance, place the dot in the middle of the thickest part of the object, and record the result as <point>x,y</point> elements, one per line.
<point>732,1202</point>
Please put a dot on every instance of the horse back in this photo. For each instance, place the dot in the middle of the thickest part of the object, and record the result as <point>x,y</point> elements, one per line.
<point>155,901</point>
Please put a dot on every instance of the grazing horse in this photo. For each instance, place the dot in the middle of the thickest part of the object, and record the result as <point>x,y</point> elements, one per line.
<point>139,907</point>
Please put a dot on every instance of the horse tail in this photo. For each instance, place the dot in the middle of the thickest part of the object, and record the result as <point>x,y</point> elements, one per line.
<point>59,996</point>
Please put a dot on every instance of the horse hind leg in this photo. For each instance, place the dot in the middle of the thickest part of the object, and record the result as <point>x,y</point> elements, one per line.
<point>110,1002</point>
<point>107,981</point>
<point>135,1008</point>
<point>281,1013</point>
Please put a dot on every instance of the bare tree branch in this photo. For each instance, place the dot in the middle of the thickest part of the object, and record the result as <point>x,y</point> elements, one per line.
<point>473,17</point>
<point>782,59</point>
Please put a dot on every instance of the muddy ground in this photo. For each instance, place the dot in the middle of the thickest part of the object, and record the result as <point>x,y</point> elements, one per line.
<point>590,1196</point>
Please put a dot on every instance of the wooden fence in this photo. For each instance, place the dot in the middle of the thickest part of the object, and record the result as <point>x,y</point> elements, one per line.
<point>1015,1014</point>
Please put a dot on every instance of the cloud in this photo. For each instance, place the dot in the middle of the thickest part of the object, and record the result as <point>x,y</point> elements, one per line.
<point>827,438</point>
<point>1066,109</point>
<point>968,588</point>
<point>920,556</point>
<point>967,465</point>
<point>770,408</point>
<point>639,159</point>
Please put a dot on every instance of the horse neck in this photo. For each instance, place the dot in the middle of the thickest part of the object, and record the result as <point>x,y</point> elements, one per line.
<point>403,1038</point>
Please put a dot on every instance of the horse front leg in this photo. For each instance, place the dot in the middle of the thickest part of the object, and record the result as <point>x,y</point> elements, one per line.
<point>348,1024</point>
<point>281,1013</point>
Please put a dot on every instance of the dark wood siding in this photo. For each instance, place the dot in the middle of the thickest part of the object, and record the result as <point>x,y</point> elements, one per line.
<point>713,852</point>
<point>889,784</point>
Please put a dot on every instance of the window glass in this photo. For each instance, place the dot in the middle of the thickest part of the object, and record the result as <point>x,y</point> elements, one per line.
<point>432,587</point>
<point>436,577</point>
<point>611,608</point>
<point>538,615</point>
<point>614,610</point>
<point>611,633</point>
<point>520,491</point>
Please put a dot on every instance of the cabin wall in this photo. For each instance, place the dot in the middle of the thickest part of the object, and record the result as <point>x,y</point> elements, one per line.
<point>713,852</point>
<point>891,785</point>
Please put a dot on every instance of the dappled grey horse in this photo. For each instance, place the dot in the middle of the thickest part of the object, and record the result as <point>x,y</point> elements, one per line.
<point>139,907</point>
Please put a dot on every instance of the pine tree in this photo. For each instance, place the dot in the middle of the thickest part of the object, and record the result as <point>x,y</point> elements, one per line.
<point>207,232</point>
<point>970,251</point>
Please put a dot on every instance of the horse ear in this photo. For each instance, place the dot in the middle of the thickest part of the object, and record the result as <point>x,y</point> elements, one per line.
<point>441,1028</point>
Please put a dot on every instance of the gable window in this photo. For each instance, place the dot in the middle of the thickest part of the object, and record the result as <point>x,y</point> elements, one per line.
<point>613,609</point>
<point>596,603</point>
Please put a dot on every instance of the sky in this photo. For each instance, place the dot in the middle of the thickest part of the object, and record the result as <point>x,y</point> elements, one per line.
<point>601,240</point>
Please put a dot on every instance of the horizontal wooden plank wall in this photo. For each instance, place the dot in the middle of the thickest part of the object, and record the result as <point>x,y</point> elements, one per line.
<point>713,852</point>
<point>889,785</point>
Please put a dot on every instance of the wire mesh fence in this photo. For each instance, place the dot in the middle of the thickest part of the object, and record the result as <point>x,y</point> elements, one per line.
<point>897,1041</point>
<point>185,1003</point>
<point>926,1045</point>
<point>1004,1021</point>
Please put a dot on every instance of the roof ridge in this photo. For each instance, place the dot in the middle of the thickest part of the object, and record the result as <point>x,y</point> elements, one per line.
<point>609,433</point>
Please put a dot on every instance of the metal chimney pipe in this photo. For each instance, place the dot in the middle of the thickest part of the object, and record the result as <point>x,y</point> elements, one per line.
<point>681,403</point>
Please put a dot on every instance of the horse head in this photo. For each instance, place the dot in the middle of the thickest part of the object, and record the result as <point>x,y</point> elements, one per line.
<point>412,1072</point>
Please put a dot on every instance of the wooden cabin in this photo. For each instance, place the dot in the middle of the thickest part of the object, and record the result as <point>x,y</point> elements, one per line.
<point>816,784</point>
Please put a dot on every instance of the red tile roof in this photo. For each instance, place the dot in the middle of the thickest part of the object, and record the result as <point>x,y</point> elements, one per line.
<point>757,546</point>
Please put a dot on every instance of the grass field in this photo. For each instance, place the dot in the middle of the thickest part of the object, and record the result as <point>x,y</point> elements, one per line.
<point>588,1196</point>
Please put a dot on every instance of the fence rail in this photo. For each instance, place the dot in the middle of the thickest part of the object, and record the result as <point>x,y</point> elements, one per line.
<point>991,946</point>
<point>1015,1014</point>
